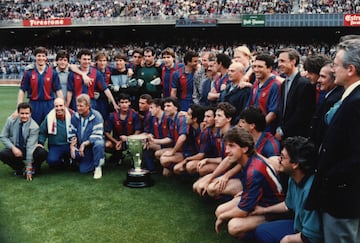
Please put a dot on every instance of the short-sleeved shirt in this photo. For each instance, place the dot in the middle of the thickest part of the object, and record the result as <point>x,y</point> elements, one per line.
<point>208,143</point>
<point>159,128</point>
<point>177,127</point>
<point>260,183</point>
<point>77,86</point>
<point>266,97</point>
<point>167,75</point>
<point>267,145</point>
<point>127,126</point>
<point>305,221</point>
<point>184,84</point>
<point>40,87</point>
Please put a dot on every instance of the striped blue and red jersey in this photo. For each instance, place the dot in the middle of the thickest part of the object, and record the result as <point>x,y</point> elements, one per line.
<point>106,74</point>
<point>127,126</point>
<point>184,84</point>
<point>260,185</point>
<point>266,97</point>
<point>191,145</point>
<point>132,66</point>
<point>167,75</point>
<point>40,87</point>
<point>177,127</point>
<point>145,120</point>
<point>77,86</point>
<point>159,128</point>
<point>208,143</point>
<point>220,81</point>
<point>267,145</point>
<point>220,144</point>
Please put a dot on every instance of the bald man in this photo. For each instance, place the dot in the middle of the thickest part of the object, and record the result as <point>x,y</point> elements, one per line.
<point>54,128</point>
<point>233,93</point>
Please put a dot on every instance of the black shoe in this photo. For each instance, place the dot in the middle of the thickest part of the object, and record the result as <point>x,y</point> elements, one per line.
<point>117,160</point>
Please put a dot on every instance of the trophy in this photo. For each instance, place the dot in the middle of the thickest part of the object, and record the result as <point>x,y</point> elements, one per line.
<point>137,177</point>
<point>137,162</point>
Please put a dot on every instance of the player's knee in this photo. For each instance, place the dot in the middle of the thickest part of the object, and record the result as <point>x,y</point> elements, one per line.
<point>219,210</point>
<point>108,146</point>
<point>162,161</point>
<point>235,228</point>
<point>177,169</point>
<point>99,144</point>
<point>203,171</point>
<point>211,190</point>
<point>158,154</point>
<point>195,185</point>
<point>190,168</point>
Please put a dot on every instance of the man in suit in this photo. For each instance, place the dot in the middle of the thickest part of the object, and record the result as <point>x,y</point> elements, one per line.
<point>233,94</point>
<point>297,102</point>
<point>333,93</point>
<point>20,137</point>
<point>335,190</point>
<point>211,76</point>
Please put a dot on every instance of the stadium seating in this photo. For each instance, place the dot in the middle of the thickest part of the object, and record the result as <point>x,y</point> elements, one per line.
<point>144,8</point>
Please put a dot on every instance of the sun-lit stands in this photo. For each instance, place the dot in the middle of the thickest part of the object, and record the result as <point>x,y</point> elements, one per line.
<point>329,6</point>
<point>13,10</point>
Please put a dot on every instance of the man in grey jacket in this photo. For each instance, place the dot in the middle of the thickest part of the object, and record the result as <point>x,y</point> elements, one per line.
<point>20,136</point>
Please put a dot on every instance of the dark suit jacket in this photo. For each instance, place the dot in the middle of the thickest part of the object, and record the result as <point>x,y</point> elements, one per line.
<point>237,97</point>
<point>205,89</point>
<point>318,126</point>
<point>336,188</point>
<point>300,106</point>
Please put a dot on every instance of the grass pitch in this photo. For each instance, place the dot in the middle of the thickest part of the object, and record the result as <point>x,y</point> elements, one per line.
<point>65,206</point>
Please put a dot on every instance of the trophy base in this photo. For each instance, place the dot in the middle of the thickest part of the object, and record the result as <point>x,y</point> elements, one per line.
<point>138,178</point>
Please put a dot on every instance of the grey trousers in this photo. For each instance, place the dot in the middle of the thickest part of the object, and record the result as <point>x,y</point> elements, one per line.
<point>338,230</point>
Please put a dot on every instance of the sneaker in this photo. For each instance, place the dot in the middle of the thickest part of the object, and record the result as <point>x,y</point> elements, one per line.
<point>98,172</point>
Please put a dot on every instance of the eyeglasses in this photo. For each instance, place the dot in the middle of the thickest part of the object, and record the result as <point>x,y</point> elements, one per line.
<point>282,157</point>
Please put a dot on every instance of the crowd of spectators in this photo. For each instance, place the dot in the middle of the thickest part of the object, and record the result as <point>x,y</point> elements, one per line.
<point>39,9</point>
<point>13,61</point>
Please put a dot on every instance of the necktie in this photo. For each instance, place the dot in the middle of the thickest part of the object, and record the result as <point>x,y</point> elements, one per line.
<point>21,141</point>
<point>286,92</point>
<point>330,114</point>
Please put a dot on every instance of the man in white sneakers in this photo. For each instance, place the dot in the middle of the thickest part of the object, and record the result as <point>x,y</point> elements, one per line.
<point>86,134</point>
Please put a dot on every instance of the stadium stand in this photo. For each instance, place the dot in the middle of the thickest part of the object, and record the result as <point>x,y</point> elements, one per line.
<point>13,58</point>
<point>13,10</point>
<point>13,61</point>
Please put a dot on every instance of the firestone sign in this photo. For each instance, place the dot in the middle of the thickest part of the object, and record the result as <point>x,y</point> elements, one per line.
<point>46,22</point>
<point>351,19</point>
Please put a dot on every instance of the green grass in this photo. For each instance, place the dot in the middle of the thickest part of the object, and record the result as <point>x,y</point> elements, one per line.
<point>65,206</point>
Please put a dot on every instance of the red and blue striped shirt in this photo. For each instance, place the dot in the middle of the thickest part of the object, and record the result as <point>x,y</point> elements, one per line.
<point>260,183</point>
<point>40,87</point>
